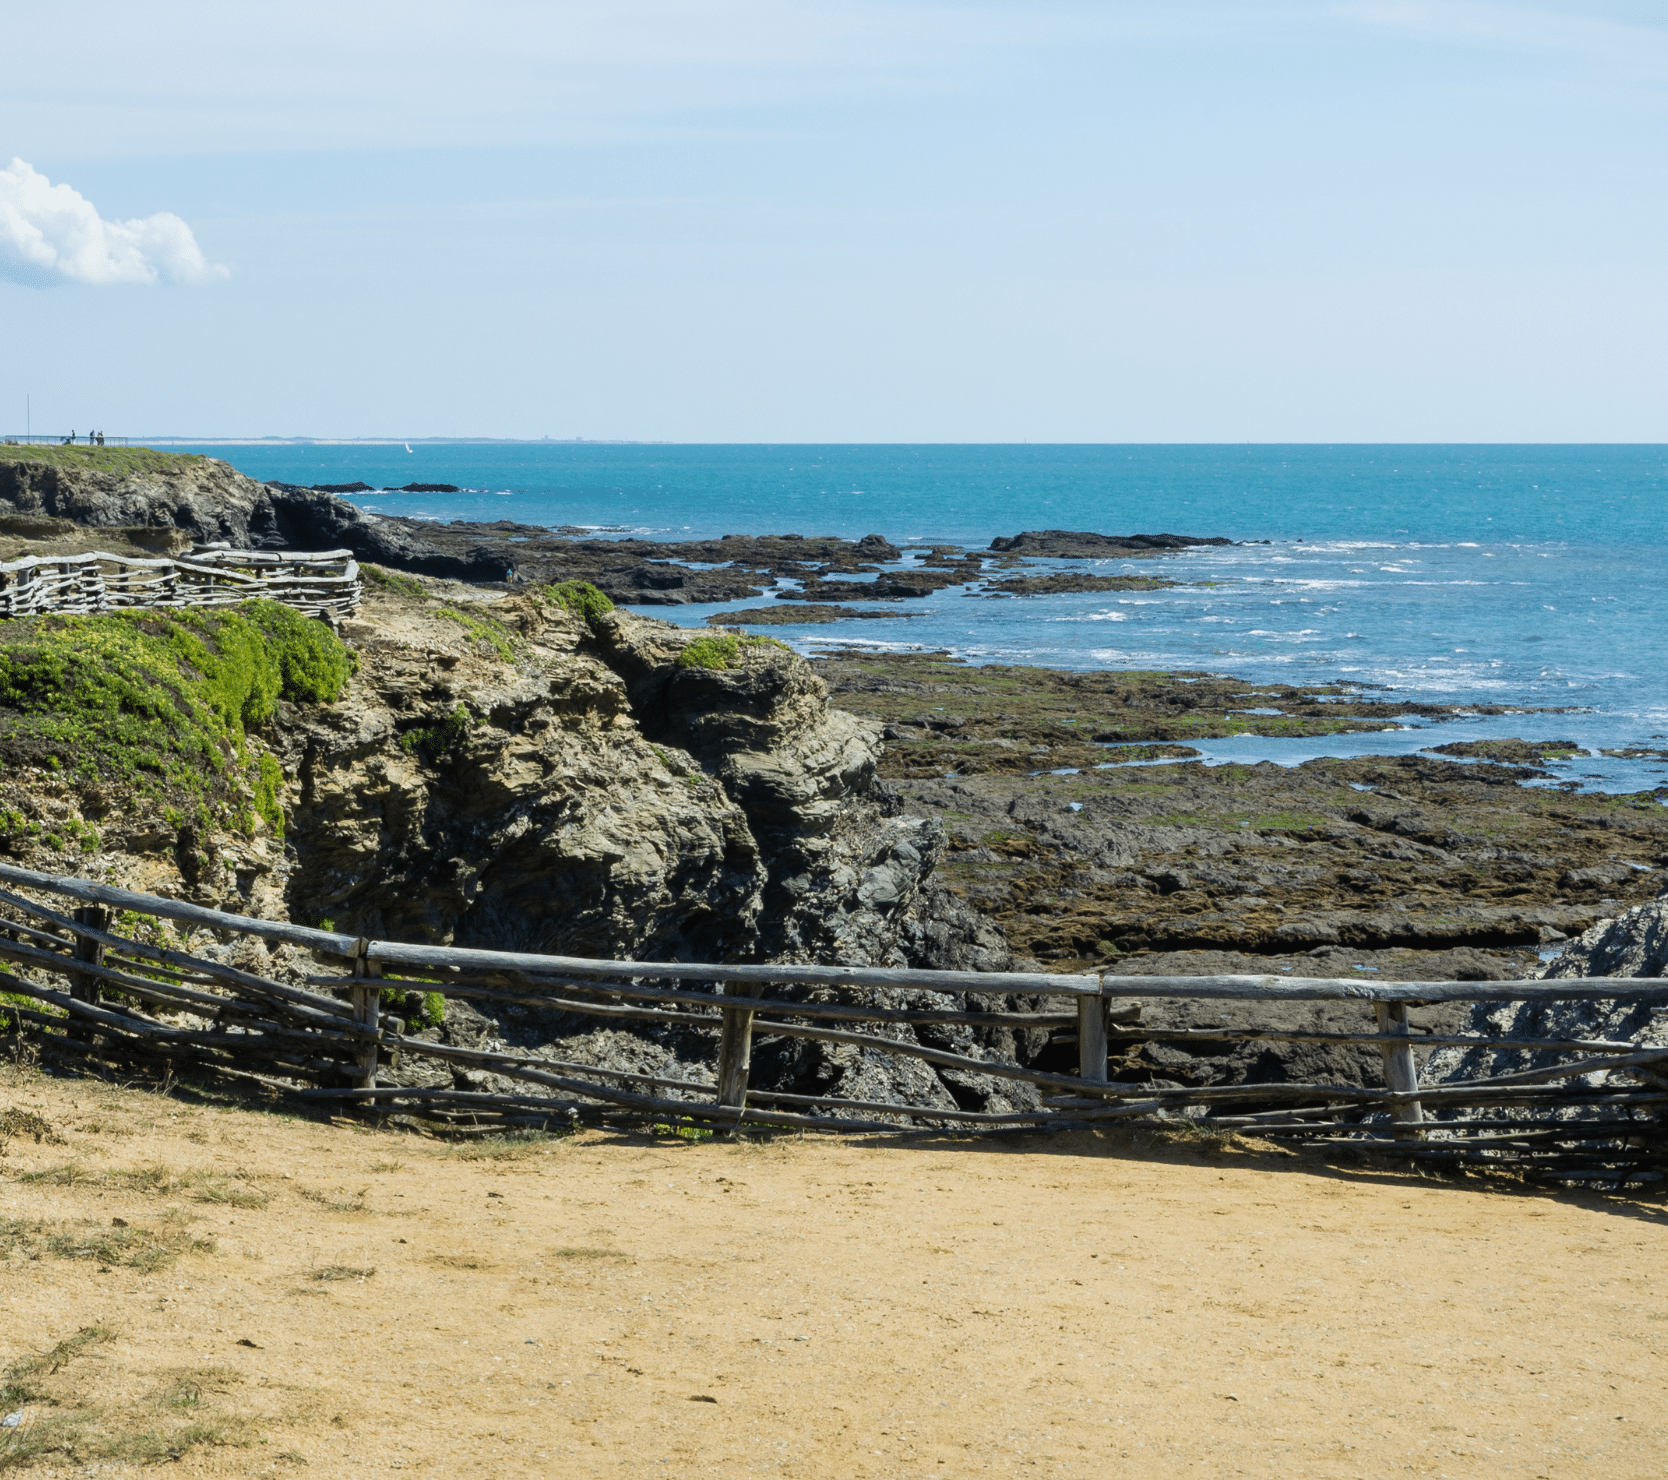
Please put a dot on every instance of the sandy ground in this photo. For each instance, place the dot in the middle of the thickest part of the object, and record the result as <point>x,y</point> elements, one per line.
<point>610,1306</point>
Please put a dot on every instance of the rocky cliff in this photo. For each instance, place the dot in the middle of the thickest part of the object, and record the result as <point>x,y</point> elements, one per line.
<point>510,774</point>
<point>210,500</point>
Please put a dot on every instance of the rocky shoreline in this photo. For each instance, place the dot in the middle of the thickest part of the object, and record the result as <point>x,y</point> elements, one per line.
<point>508,768</point>
<point>207,500</point>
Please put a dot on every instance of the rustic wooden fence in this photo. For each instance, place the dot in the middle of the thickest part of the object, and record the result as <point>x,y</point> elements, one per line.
<point>1594,1112</point>
<point>325,585</point>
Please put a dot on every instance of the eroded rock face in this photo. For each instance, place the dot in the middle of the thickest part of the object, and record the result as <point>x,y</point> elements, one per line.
<point>1633,944</point>
<point>597,798</point>
<point>455,797</point>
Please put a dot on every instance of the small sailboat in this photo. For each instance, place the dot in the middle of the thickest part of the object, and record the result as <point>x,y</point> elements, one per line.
<point>408,447</point>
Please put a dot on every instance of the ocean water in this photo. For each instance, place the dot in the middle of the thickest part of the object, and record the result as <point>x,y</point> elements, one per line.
<point>1528,575</point>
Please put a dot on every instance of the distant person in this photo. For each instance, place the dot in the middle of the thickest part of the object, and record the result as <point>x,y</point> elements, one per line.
<point>69,441</point>
<point>101,439</point>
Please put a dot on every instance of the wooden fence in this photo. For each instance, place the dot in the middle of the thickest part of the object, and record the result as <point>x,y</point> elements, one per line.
<point>1593,1112</point>
<point>323,585</point>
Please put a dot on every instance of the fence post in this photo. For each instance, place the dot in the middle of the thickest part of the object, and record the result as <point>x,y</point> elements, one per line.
<point>1091,1038</point>
<point>735,1045</point>
<point>86,988</point>
<point>367,1001</point>
<point>1400,1072</point>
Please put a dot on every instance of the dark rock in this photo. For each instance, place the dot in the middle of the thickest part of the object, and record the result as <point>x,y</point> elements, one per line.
<point>426,488</point>
<point>1063,582</point>
<point>1065,544</point>
<point>794,613</point>
<point>341,488</point>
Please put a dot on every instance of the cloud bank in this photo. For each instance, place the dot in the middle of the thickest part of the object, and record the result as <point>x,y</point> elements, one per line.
<point>52,234</point>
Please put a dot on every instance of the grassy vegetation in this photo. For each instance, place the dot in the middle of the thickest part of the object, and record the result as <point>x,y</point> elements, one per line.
<point>108,1246</point>
<point>204,1186</point>
<point>722,651</point>
<point>162,702</point>
<point>103,459</point>
<point>66,1429</point>
<point>393,580</point>
<point>483,629</point>
<point>579,597</point>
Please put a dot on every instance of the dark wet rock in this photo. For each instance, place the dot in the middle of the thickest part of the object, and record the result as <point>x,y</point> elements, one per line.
<point>426,488</point>
<point>1516,752</point>
<point>794,613</point>
<point>336,487</point>
<point>1064,582</point>
<point>1065,544</point>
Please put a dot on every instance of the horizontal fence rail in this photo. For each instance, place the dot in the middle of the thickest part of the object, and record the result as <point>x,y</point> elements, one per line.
<point>326,584</point>
<point>1587,1108</point>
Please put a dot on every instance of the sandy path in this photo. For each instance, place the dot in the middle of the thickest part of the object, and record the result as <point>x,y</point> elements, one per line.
<point>1066,1307</point>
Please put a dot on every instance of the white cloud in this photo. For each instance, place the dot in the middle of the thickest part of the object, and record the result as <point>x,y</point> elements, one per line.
<point>52,233</point>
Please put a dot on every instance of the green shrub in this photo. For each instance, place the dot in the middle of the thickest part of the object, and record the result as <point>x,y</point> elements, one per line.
<point>579,597</point>
<point>711,652</point>
<point>420,1009</point>
<point>721,651</point>
<point>162,701</point>
<point>313,664</point>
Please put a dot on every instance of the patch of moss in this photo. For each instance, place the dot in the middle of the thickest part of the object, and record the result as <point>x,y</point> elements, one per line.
<point>722,651</point>
<point>162,702</point>
<point>579,597</point>
<point>483,629</point>
<point>420,1009</point>
<point>435,742</point>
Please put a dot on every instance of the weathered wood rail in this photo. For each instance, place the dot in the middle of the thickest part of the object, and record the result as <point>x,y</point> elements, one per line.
<point>325,584</point>
<point>1587,1108</point>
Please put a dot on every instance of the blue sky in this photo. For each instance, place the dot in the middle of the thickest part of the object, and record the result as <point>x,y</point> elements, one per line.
<point>841,221</point>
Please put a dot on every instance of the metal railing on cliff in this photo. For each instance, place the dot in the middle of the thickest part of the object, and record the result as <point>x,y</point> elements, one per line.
<point>326,1036</point>
<point>325,584</point>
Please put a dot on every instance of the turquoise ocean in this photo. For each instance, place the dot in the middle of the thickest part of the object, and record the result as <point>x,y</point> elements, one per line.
<point>1525,575</point>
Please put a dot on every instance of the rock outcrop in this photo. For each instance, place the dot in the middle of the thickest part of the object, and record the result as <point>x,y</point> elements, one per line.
<point>1070,544</point>
<point>210,501</point>
<point>506,775</point>
<point>1632,944</point>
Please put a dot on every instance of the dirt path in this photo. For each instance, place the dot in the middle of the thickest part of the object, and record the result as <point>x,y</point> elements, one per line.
<point>603,1306</point>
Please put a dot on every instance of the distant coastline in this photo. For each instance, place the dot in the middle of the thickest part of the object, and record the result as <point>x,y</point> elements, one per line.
<point>397,442</point>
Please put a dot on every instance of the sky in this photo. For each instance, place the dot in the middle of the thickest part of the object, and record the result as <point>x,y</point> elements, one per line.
<point>838,221</point>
